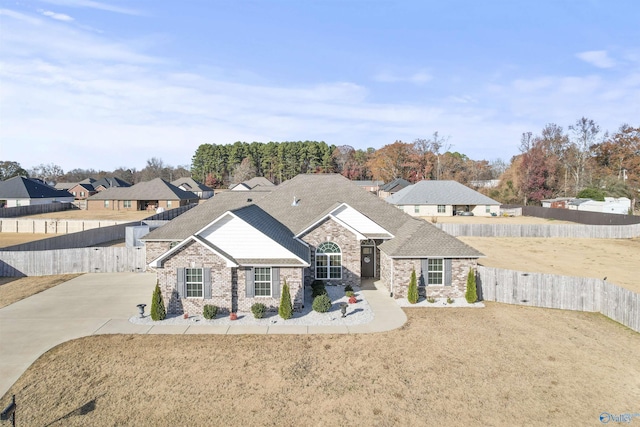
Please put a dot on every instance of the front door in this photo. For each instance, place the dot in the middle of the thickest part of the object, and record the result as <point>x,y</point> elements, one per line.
<point>368,262</point>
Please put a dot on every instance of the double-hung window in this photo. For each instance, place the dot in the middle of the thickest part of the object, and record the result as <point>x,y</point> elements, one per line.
<point>262,281</point>
<point>441,208</point>
<point>328,261</point>
<point>127,203</point>
<point>194,282</point>
<point>436,272</point>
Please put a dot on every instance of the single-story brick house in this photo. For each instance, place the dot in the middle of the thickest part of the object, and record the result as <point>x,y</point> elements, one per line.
<point>238,248</point>
<point>148,195</point>
<point>443,198</point>
<point>21,191</point>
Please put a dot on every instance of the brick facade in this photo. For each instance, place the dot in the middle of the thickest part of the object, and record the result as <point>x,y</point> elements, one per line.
<point>401,275</point>
<point>136,205</point>
<point>228,284</point>
<point>331,231</point>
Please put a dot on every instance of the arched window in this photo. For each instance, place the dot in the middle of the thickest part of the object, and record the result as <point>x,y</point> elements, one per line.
<point>328,261</point>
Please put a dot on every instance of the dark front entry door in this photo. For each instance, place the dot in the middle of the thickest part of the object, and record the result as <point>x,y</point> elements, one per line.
<point>368,262</point>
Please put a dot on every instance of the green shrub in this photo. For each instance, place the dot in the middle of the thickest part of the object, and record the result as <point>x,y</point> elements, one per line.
<point>349,293</point>
<point>209,311</point>
<point>449,300</point>
<point>258,309</point>
<point>412,294</point>
<point>592,193</point>
<point>431,300</point>
<point>321,304</point>
<point>471,294</point>
<point>318,288</point>
<point>348,288</point>
<point>158,312</point>
<point>286,309</point>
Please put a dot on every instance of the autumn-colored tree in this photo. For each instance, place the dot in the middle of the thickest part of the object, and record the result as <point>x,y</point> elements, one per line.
<point>391,161</point>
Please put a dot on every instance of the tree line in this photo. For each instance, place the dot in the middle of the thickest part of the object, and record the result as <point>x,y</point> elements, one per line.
<point>583,160</point>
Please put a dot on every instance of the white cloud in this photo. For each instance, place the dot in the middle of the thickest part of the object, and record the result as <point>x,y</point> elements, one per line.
<point>56,16</point>
<point>94,5</point>
<point>597,58</point>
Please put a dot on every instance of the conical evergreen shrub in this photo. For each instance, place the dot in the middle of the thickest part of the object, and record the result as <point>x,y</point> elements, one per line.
<point>286,309</point>
<point>158,311</point>
<point>412,294</point>
<point>471,294</point>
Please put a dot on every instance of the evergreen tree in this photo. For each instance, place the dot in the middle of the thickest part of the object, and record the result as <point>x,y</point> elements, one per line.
<point>286,309</point>
<point>412,295</point>
<point>471,295</point>
<point>158,311</point>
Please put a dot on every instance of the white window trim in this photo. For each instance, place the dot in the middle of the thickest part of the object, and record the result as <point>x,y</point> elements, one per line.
<point>187,283</point>
<point>255,282</point>
<point>444,209</point>
<point>328,258</point>
<point>429,271</point>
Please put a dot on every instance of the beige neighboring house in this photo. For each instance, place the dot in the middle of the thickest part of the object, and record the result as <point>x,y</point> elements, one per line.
<point>257,183</point>
<point>392,187</point>
<point>148,195</point>
<point>239,248</point>
<point>443,198</point>
<point>190,184</point>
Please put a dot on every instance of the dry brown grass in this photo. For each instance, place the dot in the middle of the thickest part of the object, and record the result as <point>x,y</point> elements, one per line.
<point>616,259</point>
<point>10,239</point>
<point>94,215</point>
<point>502,365</point>
<point>494,220</point>
<point>13,289</point>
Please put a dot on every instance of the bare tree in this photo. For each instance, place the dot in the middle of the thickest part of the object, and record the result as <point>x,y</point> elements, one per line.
<point>585,132</point>
<point>48,173</point>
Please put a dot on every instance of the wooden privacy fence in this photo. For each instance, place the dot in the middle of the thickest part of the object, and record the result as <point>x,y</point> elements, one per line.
<point>563,292</point>
<point>543,230</point>
<point>67,261</point>
<point>34,209</point>
<point>53,226</point>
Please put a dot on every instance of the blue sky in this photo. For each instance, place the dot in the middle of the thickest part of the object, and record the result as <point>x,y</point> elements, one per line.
<point>102,84</point>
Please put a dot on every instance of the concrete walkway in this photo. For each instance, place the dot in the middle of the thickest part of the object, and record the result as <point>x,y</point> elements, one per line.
<point>103,303</point>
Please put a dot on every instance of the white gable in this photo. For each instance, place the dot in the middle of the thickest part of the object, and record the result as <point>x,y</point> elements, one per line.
<point>241,241</point>
<point>357,221</point>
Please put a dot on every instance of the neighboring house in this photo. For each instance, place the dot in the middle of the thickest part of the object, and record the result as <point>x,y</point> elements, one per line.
<point>370,186</point>
<point>558,203</point>
<point>258,183</point>
<point>105,183</point>
<point>443,198</point>
<point>393,187</point>
<point>148,195</point>
<point>69,185</point>
<point>82,191</point>
<point>485,183</point>
<point>21,191</point>
<point>620,205</point>
<point>239,248</point>
<point>190,184</point>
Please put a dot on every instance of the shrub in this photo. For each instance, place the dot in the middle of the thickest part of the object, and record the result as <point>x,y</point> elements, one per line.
<point>158,312</point>
<point>449,300</point>
<point>286,309</point>
<point>471,294</point>
<point>258,309</point>
<point>431,300</point>
<point>317,288</point>
<point>349,293</point>
<point>209,311</point>
<point>592,193</point>
<point>321,304</point>
<point>412,294</point>
<point>348,288</point>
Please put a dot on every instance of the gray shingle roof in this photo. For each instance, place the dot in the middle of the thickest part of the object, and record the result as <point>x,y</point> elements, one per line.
<point>439,193</point>
<point>156,189</point>
<point>192,183</point>
<point>20,187</point>
<point>317,195</point>
<point>111,182</point>
<point>258,181</point>
<point>397,184</point>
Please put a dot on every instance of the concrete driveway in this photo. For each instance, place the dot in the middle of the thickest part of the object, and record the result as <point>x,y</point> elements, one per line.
<point>74,309</point>
<point>103,303</point>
